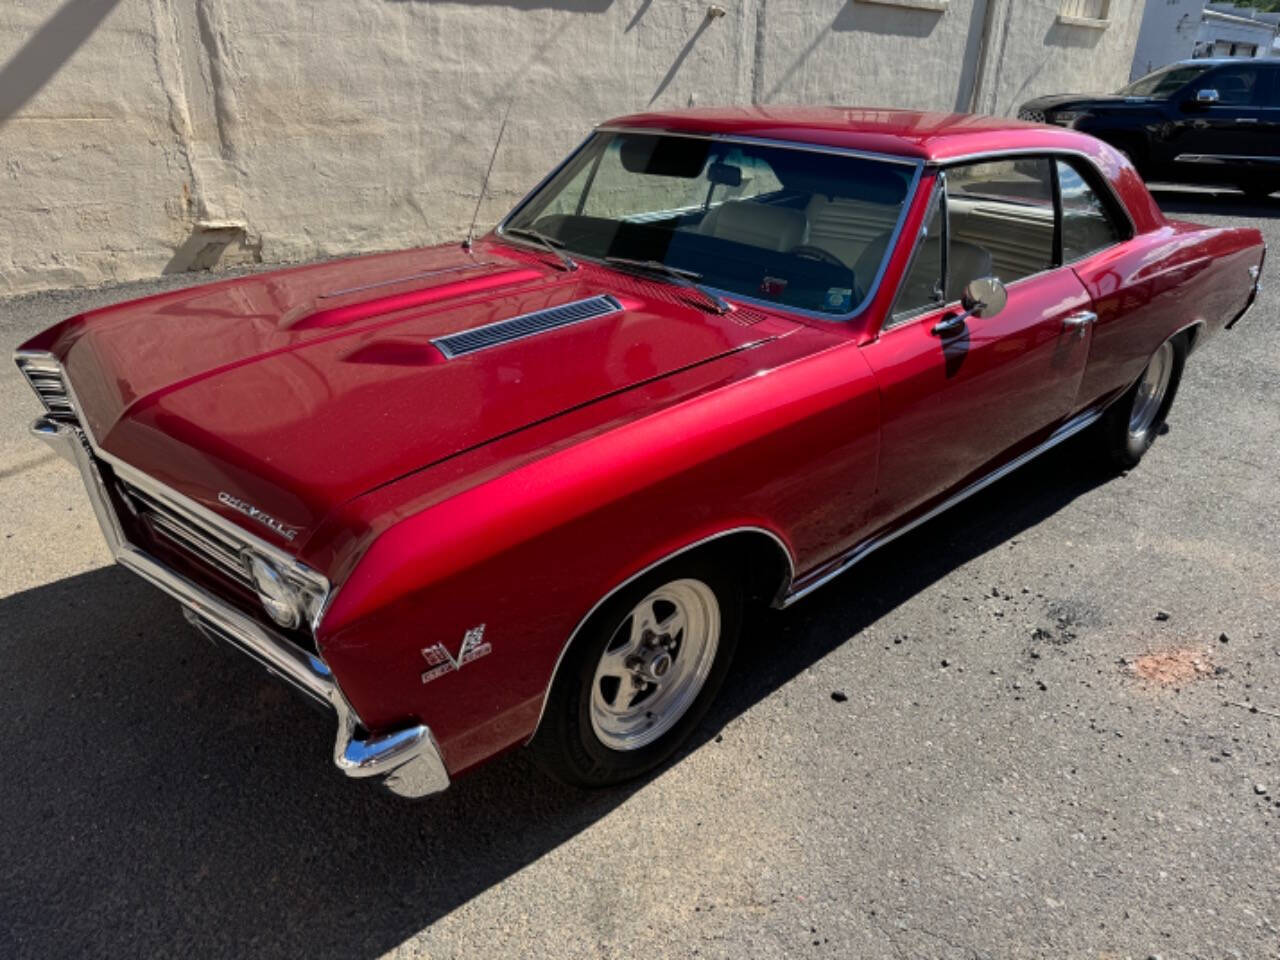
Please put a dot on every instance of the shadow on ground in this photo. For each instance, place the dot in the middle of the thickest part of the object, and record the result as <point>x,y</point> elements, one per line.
<point>162,795</point>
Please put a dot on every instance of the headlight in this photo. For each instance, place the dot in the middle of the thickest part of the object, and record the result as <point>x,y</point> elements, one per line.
<point>1068,118</point>
<point>282,601</point>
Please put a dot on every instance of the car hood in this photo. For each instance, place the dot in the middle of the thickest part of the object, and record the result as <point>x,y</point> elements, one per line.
<point>1080,101</point>
<point>295,391</point>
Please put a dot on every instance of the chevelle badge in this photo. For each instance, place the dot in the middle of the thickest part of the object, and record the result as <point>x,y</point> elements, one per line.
<point>249,510</point>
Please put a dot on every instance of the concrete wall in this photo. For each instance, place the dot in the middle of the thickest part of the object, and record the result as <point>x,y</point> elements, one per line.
<point>149,136</point>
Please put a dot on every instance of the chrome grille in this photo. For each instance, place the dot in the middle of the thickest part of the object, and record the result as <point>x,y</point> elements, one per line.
<point>1032,116</point>
<point>189,534</point>
<point>45,377</point>
<point>525,325</point>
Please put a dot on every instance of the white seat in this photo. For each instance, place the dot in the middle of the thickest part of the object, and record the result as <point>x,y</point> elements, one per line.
<point>757,224</point>
<point>846,227</point>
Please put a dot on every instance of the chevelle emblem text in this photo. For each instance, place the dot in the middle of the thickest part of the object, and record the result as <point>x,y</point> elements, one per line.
<point>249,510</point>
<point>474,646</point>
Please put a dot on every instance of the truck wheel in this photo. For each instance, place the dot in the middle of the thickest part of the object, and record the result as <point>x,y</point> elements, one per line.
<point>1131,424</point>
<point>641,673</point>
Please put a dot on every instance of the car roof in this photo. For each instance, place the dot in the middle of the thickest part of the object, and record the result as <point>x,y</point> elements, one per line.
<point>912,134</point>
<point>1220,61</point>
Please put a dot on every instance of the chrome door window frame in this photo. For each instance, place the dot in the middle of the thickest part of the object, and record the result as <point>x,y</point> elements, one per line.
<point>1107,195</point>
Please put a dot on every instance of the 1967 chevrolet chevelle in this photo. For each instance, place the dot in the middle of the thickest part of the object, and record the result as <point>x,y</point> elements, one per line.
<point>524,490</point>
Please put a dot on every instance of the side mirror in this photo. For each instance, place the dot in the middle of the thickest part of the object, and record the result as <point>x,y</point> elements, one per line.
<point>983,297</point>
<point>1207,95</point>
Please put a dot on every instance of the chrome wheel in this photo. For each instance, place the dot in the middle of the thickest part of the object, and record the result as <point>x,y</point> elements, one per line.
<point>655,664</point>
<point>1151,391</point>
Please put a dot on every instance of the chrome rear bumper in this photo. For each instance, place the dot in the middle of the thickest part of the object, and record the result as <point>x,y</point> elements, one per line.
<point>407,761</point>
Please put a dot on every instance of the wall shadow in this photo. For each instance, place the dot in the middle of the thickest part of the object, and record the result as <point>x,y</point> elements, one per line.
<point>680,59</point>
<point>51,46</point>
<point>571,6</point>
<point>887,21</point>
<point>1072,36</point>
<point>164,795</point>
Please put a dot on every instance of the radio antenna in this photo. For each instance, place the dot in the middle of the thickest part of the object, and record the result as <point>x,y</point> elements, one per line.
<point>484,185</point>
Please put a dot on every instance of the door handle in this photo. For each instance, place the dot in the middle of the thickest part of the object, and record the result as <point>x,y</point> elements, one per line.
<point>1079,321</point>
<point>1246,120</point>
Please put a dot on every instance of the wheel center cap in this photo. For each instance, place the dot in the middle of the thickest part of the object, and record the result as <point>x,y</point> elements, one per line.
<point>659,665</point>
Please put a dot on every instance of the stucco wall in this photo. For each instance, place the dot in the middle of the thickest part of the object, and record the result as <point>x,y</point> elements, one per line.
<point>149,136</point>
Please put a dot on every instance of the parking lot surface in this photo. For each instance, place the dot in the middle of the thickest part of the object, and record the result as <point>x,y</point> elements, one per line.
<point>1057,735</point>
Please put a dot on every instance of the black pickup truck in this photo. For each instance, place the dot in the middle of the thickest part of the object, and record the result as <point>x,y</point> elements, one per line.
<point>1198,121</point>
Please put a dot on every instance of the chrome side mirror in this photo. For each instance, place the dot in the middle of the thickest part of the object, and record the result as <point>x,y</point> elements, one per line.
<point>1207,95</point>
<point>983,297</point>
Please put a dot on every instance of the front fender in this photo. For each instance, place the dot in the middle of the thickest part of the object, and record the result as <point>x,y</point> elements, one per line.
<point>526,552</point>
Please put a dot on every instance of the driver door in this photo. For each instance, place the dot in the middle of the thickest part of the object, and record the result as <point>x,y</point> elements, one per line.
<point>956,397</point>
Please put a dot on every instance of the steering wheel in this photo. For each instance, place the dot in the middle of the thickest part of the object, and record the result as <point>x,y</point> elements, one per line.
<point>810,252</point>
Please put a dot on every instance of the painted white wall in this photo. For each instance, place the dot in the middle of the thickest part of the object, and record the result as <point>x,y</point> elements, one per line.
<point>1170,29</point>
<point>1224,23</point>
<point>148,136</point>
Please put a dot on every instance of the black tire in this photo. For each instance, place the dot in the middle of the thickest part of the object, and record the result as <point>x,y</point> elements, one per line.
<point>1123,445</point>
<point>567,744</point>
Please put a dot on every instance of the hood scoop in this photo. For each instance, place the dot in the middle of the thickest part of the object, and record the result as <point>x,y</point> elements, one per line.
<point>525,325</point>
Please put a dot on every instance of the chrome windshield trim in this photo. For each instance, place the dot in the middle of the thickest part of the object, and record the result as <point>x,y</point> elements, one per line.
<point>768,142</point>
<point>917,163</point>
<point>408,760</point>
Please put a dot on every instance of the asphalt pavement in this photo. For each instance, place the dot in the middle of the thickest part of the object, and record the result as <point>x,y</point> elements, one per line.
<point>1044,725</point>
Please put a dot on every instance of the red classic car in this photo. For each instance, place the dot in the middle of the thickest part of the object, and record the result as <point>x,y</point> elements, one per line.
<point>523,491</point>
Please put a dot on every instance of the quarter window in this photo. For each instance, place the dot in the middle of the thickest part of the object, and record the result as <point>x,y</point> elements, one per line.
<point>1087,225</point>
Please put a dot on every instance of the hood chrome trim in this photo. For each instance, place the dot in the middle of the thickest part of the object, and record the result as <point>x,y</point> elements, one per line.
<point>525,325</point>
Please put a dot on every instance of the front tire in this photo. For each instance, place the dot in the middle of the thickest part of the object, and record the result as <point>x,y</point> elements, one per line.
<point>641,674</point>
<point>1132,423</point>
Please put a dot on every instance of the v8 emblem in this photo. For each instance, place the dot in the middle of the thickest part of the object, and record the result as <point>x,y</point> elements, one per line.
<point>440,661</point>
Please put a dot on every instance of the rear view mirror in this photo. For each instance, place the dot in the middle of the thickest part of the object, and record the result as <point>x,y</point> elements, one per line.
<point>725,174</point>
<point>1207,95</point>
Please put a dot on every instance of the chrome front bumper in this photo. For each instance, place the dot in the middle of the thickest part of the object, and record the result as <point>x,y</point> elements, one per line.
<point>407,761</point>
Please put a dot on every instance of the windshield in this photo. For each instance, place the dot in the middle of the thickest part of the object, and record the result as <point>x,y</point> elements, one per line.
<point>787,225</point>
<point>1165,82</point>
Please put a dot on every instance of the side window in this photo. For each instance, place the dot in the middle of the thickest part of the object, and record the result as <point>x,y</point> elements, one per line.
<point>922,286</point>
<point>1087,225</point>
<point>1001,221</point>
<point>1236,86</point>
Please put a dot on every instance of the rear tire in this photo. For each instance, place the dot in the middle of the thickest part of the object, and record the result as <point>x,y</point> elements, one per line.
<point>642,673</point>
<point>1131,424</point>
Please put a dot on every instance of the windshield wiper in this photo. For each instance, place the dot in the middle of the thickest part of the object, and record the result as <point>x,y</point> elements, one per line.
<point>686,278</point>
<point>550,244</point>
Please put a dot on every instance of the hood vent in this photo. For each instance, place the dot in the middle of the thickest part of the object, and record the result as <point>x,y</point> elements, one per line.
<point>526,325</point>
